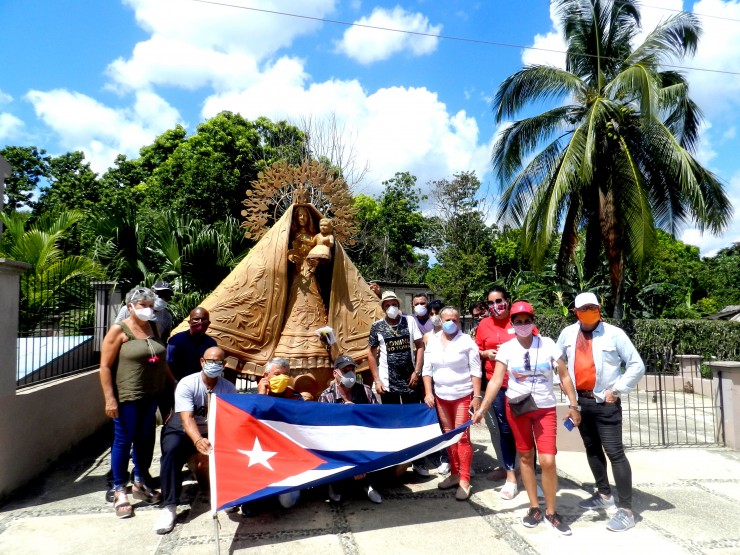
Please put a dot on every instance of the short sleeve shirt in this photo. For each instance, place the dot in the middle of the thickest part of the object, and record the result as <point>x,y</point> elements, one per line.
<point>184,351</point>
<point>191,395</point>
<point>531,370</point>
<point>396,352</point>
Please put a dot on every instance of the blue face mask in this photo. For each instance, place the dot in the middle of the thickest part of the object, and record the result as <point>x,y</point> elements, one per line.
<point>213,369</point>
<point>449,327</point>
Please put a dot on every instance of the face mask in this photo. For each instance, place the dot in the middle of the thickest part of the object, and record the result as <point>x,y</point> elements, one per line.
<point>523,330</point>
<point>145,314</point>
<point>279,383</point>
<point>589,317</point>
<point>392,312</point>
<point>160,305</point>
<point>498,309</point>
<point>449,327</point>
<point>420,310</point>
<point>213,369</point>
<point>348,379</point>
<point>436,320</point>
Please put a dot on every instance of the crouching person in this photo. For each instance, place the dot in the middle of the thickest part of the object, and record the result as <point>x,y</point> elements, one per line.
<point>345,389</point>
<point>186,432</point>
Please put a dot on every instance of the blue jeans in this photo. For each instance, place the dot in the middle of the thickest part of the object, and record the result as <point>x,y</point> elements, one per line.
<point>506,437</point>
<point>135,426</point>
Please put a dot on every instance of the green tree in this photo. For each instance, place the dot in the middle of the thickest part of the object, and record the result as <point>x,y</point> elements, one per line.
<point>30,165</point>
<point>391,230</point>
<point>72,185</point>
<point>461,240</point>
<point>720,278</point>
<point>207,174</point>
<point>614,160</point>
<point>46,285</point>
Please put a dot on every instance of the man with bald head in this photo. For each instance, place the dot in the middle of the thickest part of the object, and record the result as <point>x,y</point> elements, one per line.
<point>186,432</point>
<point>185,349</point>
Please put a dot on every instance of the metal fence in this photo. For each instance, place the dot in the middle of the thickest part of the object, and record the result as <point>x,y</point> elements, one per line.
<point>56,327</point>
<point>672,405</point>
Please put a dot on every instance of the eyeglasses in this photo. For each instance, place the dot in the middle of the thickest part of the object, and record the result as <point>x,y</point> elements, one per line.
<point>217,360</point>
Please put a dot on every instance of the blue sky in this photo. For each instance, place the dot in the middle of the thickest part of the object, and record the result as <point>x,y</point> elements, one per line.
<point>106,77</point>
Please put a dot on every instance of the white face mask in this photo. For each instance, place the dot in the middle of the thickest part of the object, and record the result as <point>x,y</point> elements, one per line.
<point>159,305</point>
<point>348,379</point>
<point>436,320</point>
<point>392,312</point>
<point>146,314</point>
<point>420,310</point>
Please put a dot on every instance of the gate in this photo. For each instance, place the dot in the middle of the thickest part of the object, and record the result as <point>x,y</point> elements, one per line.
<point>672,405</point>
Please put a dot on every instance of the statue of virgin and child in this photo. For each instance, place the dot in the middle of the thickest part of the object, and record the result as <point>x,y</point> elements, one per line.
<point>296,281</point>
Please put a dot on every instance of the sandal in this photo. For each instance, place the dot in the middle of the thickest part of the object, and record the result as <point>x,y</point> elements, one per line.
<point>144,493</point>
<point>509,491</point>
<point>121,505</point>
<point>462,492</point>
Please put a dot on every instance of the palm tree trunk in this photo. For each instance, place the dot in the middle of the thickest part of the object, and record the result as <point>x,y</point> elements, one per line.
<point>613,247</point>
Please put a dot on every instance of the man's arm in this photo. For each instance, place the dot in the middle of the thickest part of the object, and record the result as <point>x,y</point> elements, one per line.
<point>372,363</point>
<point>634,368</point>
<point>191,428</point>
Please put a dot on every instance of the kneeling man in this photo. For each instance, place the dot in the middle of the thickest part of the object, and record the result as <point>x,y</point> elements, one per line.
<point>185,433</point>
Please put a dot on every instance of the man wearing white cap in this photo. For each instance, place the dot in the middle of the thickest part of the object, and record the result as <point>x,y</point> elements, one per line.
<point>596,351</point>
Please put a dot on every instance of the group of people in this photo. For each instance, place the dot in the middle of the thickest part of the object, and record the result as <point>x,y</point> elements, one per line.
<point>503,371</point>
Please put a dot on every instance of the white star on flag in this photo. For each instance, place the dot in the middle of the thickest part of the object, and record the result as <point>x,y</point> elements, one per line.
<point>258,456</point>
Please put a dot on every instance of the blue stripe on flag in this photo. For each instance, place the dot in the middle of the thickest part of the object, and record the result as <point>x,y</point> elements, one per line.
<point>264,407</point>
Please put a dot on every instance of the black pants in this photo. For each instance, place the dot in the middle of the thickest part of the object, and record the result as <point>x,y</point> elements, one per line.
<point>601,430</point>
<point>390,398</point>
<point>177,448</point>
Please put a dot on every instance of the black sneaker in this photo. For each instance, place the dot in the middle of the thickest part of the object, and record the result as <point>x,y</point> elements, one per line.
<point>557,523</point>
<point>532,518</point>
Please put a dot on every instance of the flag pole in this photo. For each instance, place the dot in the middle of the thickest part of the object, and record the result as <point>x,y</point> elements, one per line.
<point>216,526</point>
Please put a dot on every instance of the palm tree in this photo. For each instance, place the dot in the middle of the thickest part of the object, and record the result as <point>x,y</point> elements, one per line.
<point>57,284</point>
<point>615,159</point>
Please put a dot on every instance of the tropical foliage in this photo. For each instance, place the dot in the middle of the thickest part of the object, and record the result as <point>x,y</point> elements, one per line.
<point>615,160</point>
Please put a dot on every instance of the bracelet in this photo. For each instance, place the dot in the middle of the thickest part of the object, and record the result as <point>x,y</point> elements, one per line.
<point>477,396</point>
<point>198,441</point>
<point>575,407</point>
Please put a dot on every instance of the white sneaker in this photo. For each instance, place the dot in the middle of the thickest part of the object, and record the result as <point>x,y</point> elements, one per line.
<point>333,495</point>
<point>166,520</point>
<point>287,500</point>
<point>420,469</point>
<point>443,468</point>
<point>373,495</point>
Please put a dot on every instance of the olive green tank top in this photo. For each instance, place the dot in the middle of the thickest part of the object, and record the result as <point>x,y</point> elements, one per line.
<point>140,367</point>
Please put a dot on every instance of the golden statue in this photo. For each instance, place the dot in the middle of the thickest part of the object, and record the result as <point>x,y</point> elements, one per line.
<point>294,281</point>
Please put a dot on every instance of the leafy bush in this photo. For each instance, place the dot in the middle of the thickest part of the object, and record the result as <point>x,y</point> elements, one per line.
<point>712,339</point>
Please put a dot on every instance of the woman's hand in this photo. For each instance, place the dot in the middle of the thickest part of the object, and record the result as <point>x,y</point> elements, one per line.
<point>477,416</point>
<point>111,408</point>
<point>429,400</point>
<point>475,404</point>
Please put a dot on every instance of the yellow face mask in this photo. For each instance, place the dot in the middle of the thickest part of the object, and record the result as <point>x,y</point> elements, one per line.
<point>279,383</point>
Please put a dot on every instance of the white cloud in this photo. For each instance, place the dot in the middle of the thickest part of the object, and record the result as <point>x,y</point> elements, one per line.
<point>210,45</point>
<point>5,98</point>
<point>397,128</point>
<point>9,126</point>
<point>373,45</point>
<point>101,132</point>
<point>729,134</point>
<point>547,49</point>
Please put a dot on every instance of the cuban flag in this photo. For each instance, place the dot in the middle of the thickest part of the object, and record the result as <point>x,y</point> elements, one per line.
<point>263,446</point>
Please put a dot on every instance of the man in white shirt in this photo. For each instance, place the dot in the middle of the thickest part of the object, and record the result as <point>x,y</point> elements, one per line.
<point>421,313</point>
<point>596,351</point>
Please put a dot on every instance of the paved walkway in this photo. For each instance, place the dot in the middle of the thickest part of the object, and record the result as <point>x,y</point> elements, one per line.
<point>687,501</point>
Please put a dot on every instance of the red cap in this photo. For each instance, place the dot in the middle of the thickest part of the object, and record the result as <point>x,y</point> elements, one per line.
<point>521,307</point>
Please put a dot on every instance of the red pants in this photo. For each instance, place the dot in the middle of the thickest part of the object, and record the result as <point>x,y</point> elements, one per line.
<point>539,426</point>
<point>451,415</point>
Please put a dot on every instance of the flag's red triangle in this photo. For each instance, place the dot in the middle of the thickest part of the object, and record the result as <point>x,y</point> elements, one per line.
<point>249,455</point>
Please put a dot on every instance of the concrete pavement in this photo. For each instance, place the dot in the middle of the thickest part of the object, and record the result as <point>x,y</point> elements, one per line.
<point>687,501</point>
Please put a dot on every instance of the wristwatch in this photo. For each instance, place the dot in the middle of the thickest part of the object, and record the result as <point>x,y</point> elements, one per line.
<point>616,393</point>
<point>418,374</point>
<point>575,407</point>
